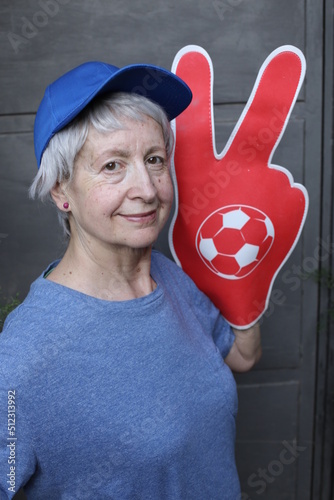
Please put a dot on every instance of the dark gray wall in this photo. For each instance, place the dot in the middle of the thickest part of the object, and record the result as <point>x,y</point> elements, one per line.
<point>42,39</point>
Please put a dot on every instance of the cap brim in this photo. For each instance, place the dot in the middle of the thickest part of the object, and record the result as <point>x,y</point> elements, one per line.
<point>159,85</point>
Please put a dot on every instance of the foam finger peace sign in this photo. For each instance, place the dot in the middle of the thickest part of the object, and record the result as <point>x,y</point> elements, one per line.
<point>238,217</point>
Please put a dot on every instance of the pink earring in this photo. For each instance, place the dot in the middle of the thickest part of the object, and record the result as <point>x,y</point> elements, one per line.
<point>66,205</point>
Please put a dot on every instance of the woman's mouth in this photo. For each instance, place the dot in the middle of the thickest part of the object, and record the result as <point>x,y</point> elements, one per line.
<point>141,218</point>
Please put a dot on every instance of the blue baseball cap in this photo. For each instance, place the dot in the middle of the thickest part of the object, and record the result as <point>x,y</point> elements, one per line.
<point>71,93</point>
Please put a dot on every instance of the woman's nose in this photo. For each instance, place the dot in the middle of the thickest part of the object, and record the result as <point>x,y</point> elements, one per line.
<point>142,183</point>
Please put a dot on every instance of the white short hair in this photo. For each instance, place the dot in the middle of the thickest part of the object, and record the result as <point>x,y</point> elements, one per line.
<point>104,114</point>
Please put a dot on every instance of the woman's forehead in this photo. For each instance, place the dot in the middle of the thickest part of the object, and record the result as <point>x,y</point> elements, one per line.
<point>129,129</point>
<point>133,135</point>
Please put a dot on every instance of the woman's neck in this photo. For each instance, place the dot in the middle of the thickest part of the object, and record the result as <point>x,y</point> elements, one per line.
<point>120,274</point>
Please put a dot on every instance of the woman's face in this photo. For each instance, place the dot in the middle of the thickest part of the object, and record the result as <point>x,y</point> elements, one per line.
<point>121,192</point>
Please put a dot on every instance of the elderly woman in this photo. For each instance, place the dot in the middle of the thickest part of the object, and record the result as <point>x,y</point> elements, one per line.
<point>116,374</point>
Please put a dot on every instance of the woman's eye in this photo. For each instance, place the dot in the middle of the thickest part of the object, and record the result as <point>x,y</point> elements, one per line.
<point>112,166</point>
<point>156,160</point>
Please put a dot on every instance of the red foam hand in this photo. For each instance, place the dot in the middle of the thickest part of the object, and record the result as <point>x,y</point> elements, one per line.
<point>237,217</point>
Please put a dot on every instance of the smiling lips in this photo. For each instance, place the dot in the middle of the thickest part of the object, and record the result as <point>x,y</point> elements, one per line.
<point>144,217</point>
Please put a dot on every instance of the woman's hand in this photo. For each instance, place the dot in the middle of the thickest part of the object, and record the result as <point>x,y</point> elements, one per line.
<point>246,350</point>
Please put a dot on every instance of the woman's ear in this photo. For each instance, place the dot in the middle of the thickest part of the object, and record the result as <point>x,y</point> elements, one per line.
<point>60,197</point>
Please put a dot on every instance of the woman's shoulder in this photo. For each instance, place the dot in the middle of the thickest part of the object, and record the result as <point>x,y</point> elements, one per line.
<point>25,317</point>
<point>166,266</point>
<point>28,332</point>
<point>160,259</point>
<point>173,275</point>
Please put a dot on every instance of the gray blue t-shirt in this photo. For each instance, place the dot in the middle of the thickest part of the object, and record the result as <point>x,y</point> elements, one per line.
<point>125,400</point>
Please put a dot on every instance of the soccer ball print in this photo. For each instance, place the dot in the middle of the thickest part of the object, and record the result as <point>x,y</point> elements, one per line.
<point>233,240</point>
